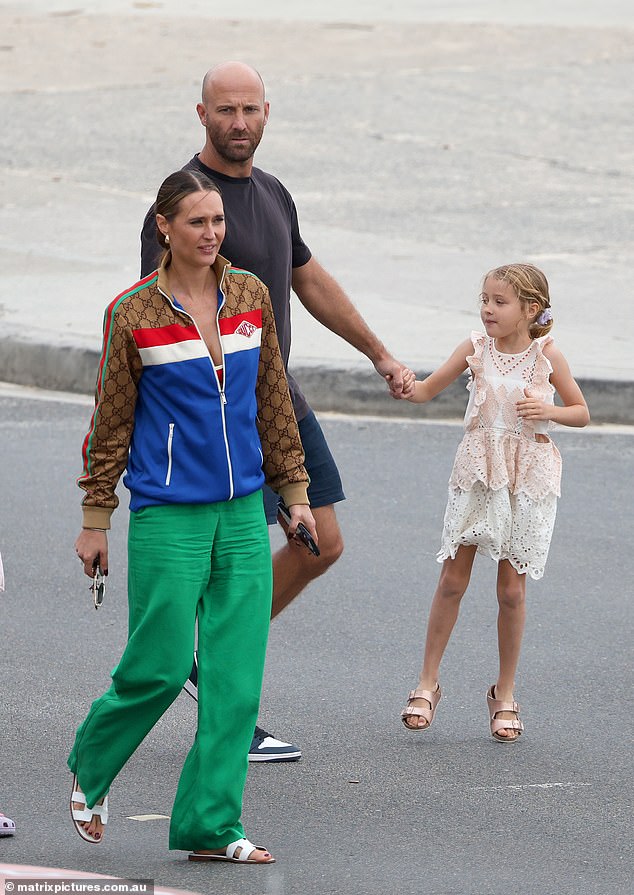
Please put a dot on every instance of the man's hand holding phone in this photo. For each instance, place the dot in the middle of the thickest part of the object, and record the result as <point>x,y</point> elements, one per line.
<point>299,524</point>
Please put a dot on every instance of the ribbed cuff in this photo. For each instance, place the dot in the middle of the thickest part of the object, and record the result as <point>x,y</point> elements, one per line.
<point>295,492</point>
<point>96,517</point>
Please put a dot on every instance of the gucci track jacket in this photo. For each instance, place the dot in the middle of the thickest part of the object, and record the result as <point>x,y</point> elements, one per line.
<point>183,431</point>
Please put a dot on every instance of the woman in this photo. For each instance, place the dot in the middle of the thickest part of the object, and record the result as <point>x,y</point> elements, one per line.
<point>192,402</point>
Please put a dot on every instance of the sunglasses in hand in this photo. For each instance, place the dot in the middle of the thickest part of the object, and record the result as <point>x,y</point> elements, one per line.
<point>98,586</point>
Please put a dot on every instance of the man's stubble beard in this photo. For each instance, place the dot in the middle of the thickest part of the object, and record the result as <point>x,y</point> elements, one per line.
<point>224,150</point>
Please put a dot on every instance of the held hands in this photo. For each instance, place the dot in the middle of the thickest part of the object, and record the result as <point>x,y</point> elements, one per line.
<point>409,385</point>
<point>531,408</point>
<point>92,548</point>
<point>400,380</point>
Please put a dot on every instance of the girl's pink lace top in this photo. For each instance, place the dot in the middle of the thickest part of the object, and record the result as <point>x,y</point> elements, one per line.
<point>499,449</point>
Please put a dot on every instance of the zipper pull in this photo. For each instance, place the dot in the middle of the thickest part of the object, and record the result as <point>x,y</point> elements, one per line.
<point>223,397</point>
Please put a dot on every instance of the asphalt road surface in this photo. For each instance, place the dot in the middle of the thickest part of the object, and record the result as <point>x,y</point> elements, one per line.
<point>370,808</point>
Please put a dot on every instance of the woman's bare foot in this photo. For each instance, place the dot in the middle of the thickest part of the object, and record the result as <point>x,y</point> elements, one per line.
<point>240,852</point>
<point>94,828</point>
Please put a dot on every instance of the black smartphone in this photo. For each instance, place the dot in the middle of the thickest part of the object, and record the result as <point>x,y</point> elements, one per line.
<point>302,532</point>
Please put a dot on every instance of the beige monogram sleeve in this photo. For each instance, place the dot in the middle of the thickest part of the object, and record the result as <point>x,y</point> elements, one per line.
<point>277,426</point>
<point>108,440</point>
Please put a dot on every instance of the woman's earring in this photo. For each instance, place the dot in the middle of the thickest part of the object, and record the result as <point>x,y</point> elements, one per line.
<point>167,240</point>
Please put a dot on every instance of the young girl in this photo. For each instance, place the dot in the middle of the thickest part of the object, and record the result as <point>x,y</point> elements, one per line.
<point>505,480</point>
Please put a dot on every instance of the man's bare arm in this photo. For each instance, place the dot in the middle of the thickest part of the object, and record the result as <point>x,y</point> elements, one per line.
<point>325,300</point>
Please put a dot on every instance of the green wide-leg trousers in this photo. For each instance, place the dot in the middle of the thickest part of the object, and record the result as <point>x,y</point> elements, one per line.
<point>213,562</point>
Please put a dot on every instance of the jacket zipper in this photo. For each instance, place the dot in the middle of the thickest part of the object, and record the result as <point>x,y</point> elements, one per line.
<point>223,397</point>
<point>221,389</point>
<point>170,439</point>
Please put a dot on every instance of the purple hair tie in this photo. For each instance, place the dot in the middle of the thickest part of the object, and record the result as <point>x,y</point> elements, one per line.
<point>545,317</point>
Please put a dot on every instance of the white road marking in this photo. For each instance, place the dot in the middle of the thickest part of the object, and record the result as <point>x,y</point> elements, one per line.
<point>519,786</point>
<point>143,817</point>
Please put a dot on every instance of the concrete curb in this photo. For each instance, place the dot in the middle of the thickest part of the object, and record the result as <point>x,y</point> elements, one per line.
<point>329,388</point>
<point>352,390</point>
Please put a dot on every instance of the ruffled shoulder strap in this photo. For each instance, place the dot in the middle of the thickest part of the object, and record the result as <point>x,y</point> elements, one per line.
<point>543,367</point>
<point>541,343</point>
<point>478,340</point>
<point>476,384</point>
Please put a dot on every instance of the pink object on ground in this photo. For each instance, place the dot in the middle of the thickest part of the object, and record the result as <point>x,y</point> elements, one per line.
<point>7,826</point>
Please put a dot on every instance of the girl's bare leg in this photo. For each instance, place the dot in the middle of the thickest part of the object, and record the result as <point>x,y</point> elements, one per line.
<point>452,584</point>
<point>511,593</point>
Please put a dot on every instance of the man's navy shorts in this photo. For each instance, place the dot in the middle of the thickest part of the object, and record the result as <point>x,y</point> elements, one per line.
<point>325,482</point>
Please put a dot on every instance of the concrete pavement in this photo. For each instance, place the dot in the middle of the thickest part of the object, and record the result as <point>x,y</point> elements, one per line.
<point>420,154</point>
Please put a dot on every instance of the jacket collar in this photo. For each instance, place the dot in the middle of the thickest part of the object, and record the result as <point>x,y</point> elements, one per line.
<point>220,266</point>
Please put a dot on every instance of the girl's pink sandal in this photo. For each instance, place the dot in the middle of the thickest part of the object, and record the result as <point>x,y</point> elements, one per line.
<point>497,724</point>
<point>416,711</point>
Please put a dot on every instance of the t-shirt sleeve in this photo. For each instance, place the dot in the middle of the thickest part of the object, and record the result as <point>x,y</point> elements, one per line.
<point>301,252</point>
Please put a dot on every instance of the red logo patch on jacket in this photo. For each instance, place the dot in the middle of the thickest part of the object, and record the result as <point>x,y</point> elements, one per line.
<point>246,329</point>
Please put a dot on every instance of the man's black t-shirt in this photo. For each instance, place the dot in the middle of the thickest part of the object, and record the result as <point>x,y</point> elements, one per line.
<point>262,236</point>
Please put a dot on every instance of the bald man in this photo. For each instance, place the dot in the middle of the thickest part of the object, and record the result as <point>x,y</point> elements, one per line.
<point>263,237</point>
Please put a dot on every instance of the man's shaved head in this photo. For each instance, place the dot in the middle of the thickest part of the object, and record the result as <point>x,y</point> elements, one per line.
<point>231,76</point>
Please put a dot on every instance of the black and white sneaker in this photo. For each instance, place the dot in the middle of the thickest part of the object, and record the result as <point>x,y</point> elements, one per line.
<point>265,747</point>
<point>191,684</point>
